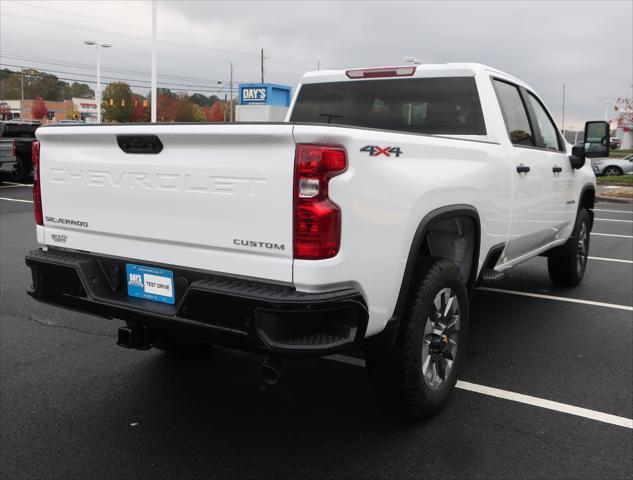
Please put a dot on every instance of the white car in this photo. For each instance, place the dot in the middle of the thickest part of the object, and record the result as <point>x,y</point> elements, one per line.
<point>366,219</point>
<point>613,166</point>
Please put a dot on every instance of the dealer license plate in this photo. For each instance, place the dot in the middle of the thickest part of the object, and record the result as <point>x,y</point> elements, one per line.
<point>155,284</point>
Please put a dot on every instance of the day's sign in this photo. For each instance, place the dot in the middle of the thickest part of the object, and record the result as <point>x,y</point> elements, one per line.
<point>254,95</point>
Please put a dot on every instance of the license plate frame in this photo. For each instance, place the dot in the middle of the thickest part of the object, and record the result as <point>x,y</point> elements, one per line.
<point>150,283</point>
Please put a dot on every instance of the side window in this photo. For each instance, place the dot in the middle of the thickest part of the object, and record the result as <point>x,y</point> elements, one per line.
<point>514,114</point>
<point>548,138</point>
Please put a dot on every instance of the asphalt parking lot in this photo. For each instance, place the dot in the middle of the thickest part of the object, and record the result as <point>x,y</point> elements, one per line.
<point>546,392</point>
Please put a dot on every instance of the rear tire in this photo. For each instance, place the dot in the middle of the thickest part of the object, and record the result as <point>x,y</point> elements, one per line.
<point>419,373</point>
<point>569,269</point>
<point>612,171</point>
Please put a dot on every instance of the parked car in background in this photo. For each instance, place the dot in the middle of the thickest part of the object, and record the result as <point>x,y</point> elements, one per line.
<point>613,166</point>
<point>7,160</point>
<point>615,142</point>
<point>17,139</point>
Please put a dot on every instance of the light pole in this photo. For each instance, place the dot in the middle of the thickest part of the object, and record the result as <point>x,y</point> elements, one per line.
<point>154,105</point>
<point>98,91</point>
<point>607,104</point>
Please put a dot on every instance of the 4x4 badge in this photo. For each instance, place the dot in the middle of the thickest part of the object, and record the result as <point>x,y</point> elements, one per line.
<point>375,151</point>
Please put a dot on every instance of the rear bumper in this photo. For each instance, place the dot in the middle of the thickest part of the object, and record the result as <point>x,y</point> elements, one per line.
<point>239,313</point>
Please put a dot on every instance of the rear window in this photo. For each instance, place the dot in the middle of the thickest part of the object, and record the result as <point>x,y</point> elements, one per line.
<point>447,105</point>
<point>15,130</point>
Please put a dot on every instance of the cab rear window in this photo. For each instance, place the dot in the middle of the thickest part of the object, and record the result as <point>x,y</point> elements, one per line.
<point>446,105</point>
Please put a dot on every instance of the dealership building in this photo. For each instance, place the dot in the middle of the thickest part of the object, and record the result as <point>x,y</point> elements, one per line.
<point>74,109</point>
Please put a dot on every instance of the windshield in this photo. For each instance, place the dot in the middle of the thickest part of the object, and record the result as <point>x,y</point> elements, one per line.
<point>447,105</point>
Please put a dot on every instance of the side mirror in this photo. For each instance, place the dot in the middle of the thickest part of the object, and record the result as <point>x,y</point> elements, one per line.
<point>597,139</point>
<point>577,157</point>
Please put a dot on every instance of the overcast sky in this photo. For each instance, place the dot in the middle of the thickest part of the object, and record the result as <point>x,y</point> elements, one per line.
<point>586,45</point>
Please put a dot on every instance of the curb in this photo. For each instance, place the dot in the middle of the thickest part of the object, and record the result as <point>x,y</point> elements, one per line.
<point>604,198</point>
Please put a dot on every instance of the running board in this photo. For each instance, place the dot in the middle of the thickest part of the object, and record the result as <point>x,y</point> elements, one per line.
<point>491,275</point>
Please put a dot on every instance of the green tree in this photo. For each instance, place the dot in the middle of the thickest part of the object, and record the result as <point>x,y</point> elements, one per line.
<point>117,102</point>
<point>41,84</point>
<point>81,90</point>
<point>198,115</point>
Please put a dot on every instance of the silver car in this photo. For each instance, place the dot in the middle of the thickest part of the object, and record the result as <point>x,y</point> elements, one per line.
<point>613,166</point>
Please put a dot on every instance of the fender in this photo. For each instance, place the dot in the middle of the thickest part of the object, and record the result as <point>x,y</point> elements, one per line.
<point>387,337</point>
<point>585,200</point>
<point>590,190</point>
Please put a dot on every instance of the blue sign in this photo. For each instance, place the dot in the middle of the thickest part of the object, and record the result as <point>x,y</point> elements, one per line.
<point>265,94</point>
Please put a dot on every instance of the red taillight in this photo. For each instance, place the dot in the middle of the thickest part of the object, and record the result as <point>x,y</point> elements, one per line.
<point>37,193</point>
<point>381,72</point>
<point>317,219</point>
<point>14,149</point>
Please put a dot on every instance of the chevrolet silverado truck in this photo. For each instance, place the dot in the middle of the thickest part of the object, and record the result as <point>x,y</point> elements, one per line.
<point>364,220</point>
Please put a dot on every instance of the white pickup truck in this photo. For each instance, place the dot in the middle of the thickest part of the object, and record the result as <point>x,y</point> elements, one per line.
<point>366,219</point>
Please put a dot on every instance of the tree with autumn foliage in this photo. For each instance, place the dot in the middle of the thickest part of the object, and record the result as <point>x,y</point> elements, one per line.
<point>5,112</point>
<point>38,109</point>
<point>141,111</point>
<point>214,113</point>
<point>117,102</point>
<point>624,113</point>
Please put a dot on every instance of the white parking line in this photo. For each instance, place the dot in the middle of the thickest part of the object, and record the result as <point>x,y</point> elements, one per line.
<point>19,184</point>
<point>630,212</point>
<point>611,220</point>
<point>611,235</point>
<point>560,299</point>
<point>610,259</point>
<point>12,186</point>
<point>16,200</point>
<point>517,397</point>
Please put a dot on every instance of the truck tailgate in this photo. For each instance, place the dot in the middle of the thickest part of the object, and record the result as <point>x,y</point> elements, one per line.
<point>216,198</point>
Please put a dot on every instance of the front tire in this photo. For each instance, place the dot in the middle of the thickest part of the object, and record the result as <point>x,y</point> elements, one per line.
<point>569,269</point>
<point>418,375</point>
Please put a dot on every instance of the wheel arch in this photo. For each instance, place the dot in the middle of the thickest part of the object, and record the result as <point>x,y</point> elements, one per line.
<point>417,248</point>
<point>587,201</point>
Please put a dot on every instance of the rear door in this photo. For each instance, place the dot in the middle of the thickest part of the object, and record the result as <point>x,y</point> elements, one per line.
<point>216,197</point>
<point>539,213</point>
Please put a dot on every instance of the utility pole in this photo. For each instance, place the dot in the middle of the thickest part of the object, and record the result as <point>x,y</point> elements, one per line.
<point>154,66</point>
<point>22,96</point>
<point>607,104</point>
<point>318,64</point>
<point>231,95</point>
<point>563,125</point>
<point>262,62</point>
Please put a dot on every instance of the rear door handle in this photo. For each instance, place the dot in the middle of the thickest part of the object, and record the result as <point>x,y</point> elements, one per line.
<point>523,168</point>
<point>557,169</point>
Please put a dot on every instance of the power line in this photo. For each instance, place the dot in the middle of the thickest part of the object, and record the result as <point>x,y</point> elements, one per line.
<point>62,63</point>
<point>217,90</point>
<point>246,50</point>
<point>48,70</point>
<point>187,45</point>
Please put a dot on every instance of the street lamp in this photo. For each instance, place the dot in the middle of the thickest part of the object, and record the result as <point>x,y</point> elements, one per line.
<point>98,91</point>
